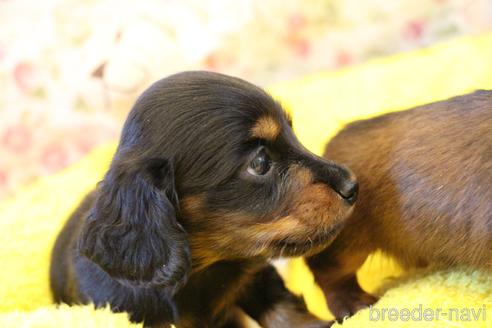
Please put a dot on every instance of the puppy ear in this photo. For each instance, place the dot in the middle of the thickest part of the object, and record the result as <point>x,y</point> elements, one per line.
<point>132,232</point>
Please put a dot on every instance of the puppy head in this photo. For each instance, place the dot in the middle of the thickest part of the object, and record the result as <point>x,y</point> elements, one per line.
<point>216,157</point>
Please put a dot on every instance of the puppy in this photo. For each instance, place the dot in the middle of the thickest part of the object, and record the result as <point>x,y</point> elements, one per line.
<point>208,183</point>
<point>425,178</point>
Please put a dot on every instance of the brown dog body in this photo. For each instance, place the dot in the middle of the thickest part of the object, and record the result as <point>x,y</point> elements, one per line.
<point>425,194</point>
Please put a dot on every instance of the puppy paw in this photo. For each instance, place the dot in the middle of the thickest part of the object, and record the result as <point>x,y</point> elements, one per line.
<point>345,303</point>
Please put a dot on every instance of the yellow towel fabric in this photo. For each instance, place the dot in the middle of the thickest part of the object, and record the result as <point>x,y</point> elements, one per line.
<point>320,105</point>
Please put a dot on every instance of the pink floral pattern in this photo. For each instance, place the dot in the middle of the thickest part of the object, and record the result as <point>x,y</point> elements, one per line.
<point>70,70</point>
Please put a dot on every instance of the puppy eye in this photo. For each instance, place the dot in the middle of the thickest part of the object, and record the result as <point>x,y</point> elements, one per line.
<point>261,164</point>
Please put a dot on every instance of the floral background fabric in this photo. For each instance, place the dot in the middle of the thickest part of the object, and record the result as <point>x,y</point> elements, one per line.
<point>70,70</point>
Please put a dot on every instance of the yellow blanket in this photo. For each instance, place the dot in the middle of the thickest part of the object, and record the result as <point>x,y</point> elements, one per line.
<point>320,105</point>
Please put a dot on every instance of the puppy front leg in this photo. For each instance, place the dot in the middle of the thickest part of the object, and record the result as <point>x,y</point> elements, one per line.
<point>335,269</point>
<point>272,305</point>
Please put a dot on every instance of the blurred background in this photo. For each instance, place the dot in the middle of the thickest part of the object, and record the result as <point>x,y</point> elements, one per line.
<point>70,70</point>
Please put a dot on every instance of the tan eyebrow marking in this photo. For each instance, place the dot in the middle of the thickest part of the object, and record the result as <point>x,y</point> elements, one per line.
<point>266,128</point>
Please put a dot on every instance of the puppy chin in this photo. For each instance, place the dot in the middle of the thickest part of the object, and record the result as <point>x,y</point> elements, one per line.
<point>306,246</point>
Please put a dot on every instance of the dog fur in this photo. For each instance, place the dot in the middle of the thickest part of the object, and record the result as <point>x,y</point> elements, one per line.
<point>426,194</point>
<point>208,183</point>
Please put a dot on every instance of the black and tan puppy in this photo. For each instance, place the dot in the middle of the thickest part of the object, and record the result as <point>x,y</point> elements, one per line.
<point>426,194</point>
<point>207,184</point>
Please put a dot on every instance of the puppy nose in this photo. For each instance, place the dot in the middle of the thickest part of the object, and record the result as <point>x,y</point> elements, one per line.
<point>338,177</point>
<point>349,190</point>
